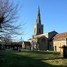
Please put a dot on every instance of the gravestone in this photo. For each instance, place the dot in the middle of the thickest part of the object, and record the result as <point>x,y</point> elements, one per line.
<point>64,51</point>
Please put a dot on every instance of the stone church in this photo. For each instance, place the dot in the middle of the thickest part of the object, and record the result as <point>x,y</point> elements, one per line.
<point>40,40</point>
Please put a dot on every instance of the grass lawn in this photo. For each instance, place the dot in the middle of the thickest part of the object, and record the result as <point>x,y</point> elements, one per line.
<point>11,58</point>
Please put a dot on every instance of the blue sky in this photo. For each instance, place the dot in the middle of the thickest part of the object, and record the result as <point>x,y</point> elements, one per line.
<point>53,16</point>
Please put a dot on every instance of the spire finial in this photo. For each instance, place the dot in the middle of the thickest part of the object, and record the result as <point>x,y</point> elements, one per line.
<point>38,10</point>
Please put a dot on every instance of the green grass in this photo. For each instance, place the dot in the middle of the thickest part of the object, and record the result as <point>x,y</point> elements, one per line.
<point>10,58</point>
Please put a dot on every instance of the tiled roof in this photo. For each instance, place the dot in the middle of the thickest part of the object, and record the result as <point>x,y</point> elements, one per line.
<point>60,36</point>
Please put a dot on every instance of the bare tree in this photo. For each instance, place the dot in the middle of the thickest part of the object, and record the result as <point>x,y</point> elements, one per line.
<point>8,16</point>
<point>7,39</point>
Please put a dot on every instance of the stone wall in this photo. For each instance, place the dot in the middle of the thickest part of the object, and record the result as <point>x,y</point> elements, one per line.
<point>58,44</point>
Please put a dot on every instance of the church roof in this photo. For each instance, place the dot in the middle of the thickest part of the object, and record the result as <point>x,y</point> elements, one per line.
<point>39,36</point>
<point>60,36</point>
<point>48,35</point>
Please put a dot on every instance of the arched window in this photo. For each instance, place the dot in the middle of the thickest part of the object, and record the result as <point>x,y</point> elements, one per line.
<point>43,40</point>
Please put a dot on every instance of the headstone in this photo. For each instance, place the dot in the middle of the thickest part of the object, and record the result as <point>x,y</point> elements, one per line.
<point>64,51</point>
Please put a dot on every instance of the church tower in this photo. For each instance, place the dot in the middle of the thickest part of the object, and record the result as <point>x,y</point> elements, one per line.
<point>38,28</point>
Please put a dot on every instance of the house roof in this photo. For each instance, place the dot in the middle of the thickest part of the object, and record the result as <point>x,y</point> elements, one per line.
<point>60,36</point>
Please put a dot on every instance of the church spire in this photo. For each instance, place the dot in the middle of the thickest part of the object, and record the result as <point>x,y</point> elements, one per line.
<point>38,28</point>
<point>38,21</point>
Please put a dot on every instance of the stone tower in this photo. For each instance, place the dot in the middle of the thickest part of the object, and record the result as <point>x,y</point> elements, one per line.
<point>38,27</point>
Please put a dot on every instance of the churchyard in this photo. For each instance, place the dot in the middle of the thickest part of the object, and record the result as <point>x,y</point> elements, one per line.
<point>12,58</point>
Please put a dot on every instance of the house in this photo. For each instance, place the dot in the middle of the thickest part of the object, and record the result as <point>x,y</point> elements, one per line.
<point>59,40</point>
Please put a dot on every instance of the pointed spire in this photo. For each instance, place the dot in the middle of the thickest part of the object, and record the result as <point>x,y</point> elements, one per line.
<point>38,21</point>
